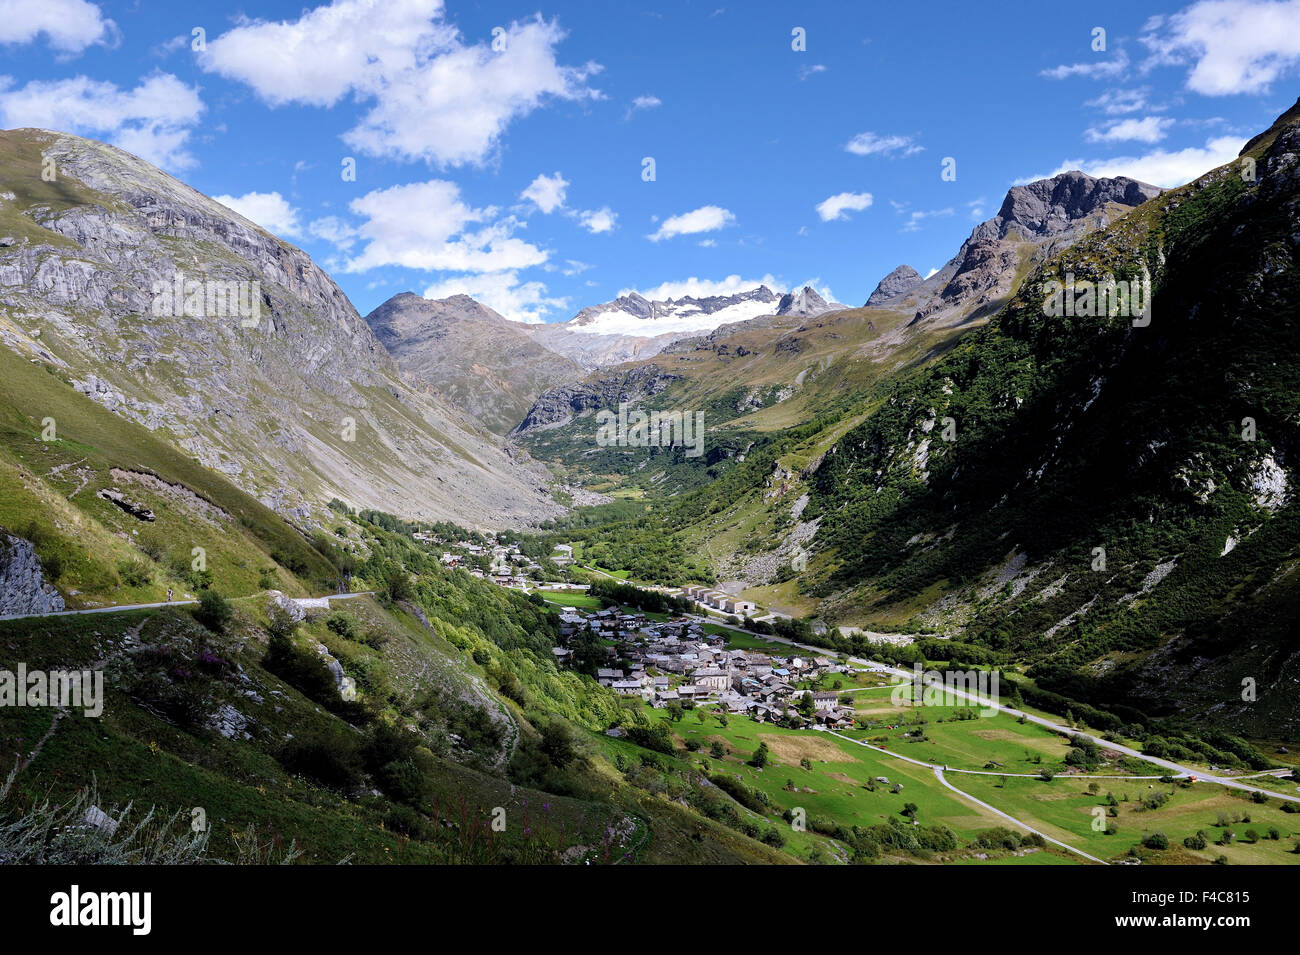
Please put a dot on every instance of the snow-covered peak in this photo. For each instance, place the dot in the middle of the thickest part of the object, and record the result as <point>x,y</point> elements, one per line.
<point>633,314</point>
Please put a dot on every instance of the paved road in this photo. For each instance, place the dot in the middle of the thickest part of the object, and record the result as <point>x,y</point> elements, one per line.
<point>123,608</point>
<point>1175,768</point>
<point>938,774</point>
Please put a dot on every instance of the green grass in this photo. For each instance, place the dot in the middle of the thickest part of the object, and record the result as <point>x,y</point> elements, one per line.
<point>1064,808</point>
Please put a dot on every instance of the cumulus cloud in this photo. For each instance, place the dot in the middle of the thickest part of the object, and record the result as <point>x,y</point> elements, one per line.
<point>526,302</point>
<point>333,230</point>
<point>838,206</point>
<point>1167,168</point>
<point>69,26</point>
<point>431,95</point>
<point>270,210</point>
<point>599,220</point>
<point>1150,129</point>
<point>703,288</point>
<point>870,144</point>
<point>703,219</point>
<point>546,192</point>
<point>153,120</point>
<point>427,225</point>
<point>1231,46</point>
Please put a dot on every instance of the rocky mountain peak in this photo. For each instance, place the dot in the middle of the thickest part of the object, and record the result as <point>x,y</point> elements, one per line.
<point>898,282</point>
<point>1050,206</point>
<point>805,302</point>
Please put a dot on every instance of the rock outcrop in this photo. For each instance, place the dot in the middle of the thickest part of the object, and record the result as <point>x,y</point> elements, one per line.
<point>23,588</point>
<point>559,406</point>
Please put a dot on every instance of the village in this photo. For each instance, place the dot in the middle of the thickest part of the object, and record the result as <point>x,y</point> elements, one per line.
<point>677,661</point>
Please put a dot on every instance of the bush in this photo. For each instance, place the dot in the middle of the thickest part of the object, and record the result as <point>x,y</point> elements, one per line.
<point>1197,841</point>
<point>1156,840</point>
<point>344,624</point>
<point>213,611</point>
<point>330,757</point>
<point>134,572</point>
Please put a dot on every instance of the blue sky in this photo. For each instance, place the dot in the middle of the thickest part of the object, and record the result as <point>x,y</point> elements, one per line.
<point>516,173</point>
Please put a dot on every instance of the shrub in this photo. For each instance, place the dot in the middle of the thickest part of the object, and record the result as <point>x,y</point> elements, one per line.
<point>330,757</point>
<point>344,624</point>
<point>1156,840</point>
<point>1197,841</point>
<point>134,572</point>
<point>213,611</point>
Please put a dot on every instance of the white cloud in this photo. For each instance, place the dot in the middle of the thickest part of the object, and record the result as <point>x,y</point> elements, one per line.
<point>708,243</point>
<point>69,25</point>
<point>703,288</point>
<point>837,206</point>
<point>153,120</point>
<point>807,71</point>
<point>1150,129</point>
<point>915,218</point>
<point>333,230</point>
<point>1101,67</point>
<point>599,220</point>
<point>270,210</point>
<point>1118,102</point>
<point>1167,168</point>
<point>430,96</point>
<point>646,102</point>
<point>703,219</point>
<point>526,302</point>
<point>1233,46</point>
<point>546,192</point>
<point>869,144</point>
<point>425,225</point>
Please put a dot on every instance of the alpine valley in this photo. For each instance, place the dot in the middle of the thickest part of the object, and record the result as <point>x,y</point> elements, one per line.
<point>363,587</point>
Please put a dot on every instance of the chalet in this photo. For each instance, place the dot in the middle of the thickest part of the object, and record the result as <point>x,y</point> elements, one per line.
<point>825,701</point>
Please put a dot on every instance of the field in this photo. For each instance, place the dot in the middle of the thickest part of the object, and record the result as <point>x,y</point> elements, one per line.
<point>839,782</point>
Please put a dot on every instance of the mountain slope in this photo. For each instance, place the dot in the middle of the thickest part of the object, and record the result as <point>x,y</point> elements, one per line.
<point>276,382</point>
<point>483,364</point>
<point>1170,446</point>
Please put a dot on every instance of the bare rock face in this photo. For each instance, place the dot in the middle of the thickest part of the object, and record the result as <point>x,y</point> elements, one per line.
<point>23,588</point>
<point>1035,220</point>
<point>898,282</point>
<point>267,374</point>
<point>559,406</point>
<point>134,508</point>
<point>805,303</point>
